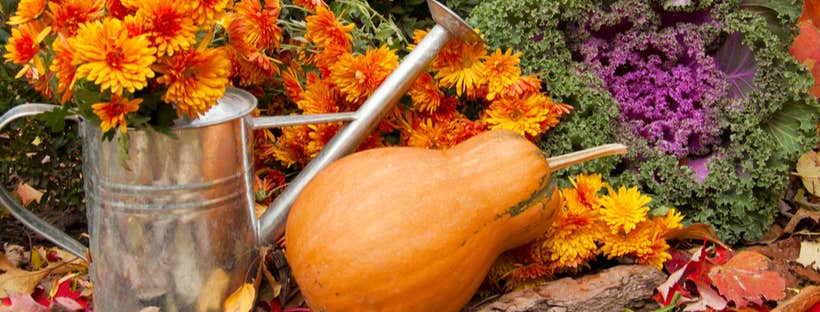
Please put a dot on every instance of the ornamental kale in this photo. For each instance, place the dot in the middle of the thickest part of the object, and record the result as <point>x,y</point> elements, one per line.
<point>714,109</point>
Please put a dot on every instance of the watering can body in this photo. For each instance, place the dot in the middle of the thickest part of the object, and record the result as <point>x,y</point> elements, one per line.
<point>172,226</point>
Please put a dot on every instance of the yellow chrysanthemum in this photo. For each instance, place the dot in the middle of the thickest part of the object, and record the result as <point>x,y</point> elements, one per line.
<point>108,56</point>
<point>587,187</point>
<point>358,76</point>
<point>319,97</point>
<point>425,94</point>
<point>637,243</point>
<point>206,12</point>
<point>522,115</point>
<point>63,68</point>
<point>169,25</point>
<point>462,68</point>
<point>656,255</point>
<point>324,29</point>
<point>670,221</point>
<point>195,79</point>
<point>112,114</point>
<point>67,15</point>
<point>27,11</point>
<point>24,43</point>
<point>624,209</point>
<point>502,71</point>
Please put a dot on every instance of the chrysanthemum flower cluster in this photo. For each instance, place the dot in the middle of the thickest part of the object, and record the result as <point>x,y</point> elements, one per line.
<point>434,113</point>
<point>128,63</point>
<point>615,225</point>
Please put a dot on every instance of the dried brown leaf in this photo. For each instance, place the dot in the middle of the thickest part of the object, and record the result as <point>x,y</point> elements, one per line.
<point>802,214</point>
<point>810,254</point>
<point>28,194</point>
<point>241,300</point>
<point>18,280</point>
<point>803,301</point>
<point>695,231</point>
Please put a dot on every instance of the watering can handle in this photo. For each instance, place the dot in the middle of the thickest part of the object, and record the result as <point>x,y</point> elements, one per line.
<point>25,216</point>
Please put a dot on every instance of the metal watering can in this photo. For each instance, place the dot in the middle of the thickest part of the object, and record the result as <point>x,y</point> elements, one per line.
<point>178,230</point>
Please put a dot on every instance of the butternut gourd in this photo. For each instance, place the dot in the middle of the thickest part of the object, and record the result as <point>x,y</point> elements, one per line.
<point>411,229</point>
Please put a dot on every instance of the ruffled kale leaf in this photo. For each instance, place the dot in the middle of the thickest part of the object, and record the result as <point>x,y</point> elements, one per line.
<point>789,122</point>
<point>737,61</point>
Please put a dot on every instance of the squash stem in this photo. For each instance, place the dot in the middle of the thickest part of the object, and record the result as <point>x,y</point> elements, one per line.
<point>566,160</point>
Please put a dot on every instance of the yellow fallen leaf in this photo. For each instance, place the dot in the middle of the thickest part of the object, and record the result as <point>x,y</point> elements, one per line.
<point>18,280</point>
<point>809,172</point>
<point>28,194</point>
<point>241,300</point>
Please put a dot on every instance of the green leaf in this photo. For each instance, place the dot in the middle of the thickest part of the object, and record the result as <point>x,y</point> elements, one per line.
<point>122,150</point>
<point>786,124</point>
<point>779,14</point>
<point>55,118</point>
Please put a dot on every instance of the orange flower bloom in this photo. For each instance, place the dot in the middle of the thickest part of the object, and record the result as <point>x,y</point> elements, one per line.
<point>67,15</point>
<point>290,147</point>
<point>311,5</point>
<point>116,9</point>
<point>358,76</point>
<point>325,30</point>
<point>24,43</point>
<point>319,135</point>
<point>112,114</point>
<point>105,54</point>
<point>169,24</point>
<point>258,24</point>
<point>27,10</point>
<point>522,85</point>
<point>502,71</point>
<point>206,12</point>
<point>292,85</point>
<point>329,56</point>
<point>425,94</point>
<point>320,97</point>
<point>587,187</point>
<point>195,79</point>
<point>63,68</point>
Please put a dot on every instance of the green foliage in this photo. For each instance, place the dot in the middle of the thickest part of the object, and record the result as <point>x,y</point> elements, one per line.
<point>764,133</point>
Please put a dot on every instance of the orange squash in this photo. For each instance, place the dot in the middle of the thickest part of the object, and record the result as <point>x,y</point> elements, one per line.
<point>411,229</point>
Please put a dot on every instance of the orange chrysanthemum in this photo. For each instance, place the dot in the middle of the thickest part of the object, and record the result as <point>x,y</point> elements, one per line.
<point>258,23</point>
<point>522,115</point>
<point>324,29</point>
<point>24,42</point>
<point>290,147</point>
<point>319,97</point>
<point>112,114</point>
<point>67,15</point>
<point>116,9</point>
<point>461,67</point>
<point>206,12</point>
<point>329,56</point>
<point>522,85</point>
<point>169,25</point>
<point>358,76</point>
<point>310,5</point>
<point>105,54</point>
<point>502,71</point>
<point>195,79</point>
<point>587,187</point>
<point>64,69</point>
<point>27,11</point>
<point>624,209</point>
<point>425,94</point>
<point>319,135</point>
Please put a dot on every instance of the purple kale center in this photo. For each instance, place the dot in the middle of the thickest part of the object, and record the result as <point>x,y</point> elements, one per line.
<point>667,86</point>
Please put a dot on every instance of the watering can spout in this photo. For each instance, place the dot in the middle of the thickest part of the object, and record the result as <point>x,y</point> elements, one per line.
<point>271,225</point>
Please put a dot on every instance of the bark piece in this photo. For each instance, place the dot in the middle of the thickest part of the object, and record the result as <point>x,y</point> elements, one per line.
<point>614,289</point>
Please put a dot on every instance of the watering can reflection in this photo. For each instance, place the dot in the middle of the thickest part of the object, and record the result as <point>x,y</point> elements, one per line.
<point>176,229</point>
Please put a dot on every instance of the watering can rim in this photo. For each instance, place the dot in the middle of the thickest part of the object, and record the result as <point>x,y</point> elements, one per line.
<point>234,104</point>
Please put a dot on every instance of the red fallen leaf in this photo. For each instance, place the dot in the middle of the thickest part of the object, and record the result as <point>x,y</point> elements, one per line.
<point>746,279</point>
<point>22,302</point>
<point>709,298</point>
<point>679,259</point>
<point>811,12</point>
